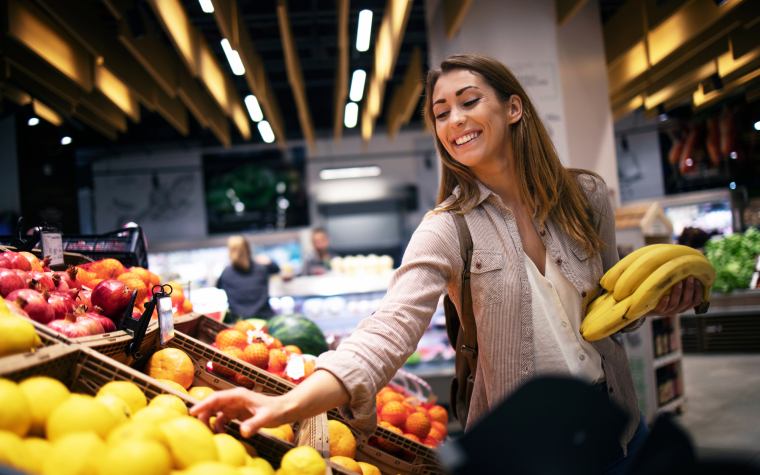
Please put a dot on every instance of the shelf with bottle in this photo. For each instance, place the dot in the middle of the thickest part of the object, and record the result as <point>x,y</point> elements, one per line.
<point>665,334</point>
<point>669,383</point>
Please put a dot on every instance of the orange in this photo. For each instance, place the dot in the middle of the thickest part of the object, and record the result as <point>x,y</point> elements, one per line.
<point>177,295</point>
<point>154,279</point>
<point>292,349</point>
<point>187,306</point>
<point>347,463</point>
<point>424,411</point>
<point>256,354</point>
<point>173,385</point>
<point>231,338</point>
<point>386,389</point>
<point>342,441</point>
<point>288,431</point>
<point>200,392</point>
<point>171,364</point>
<point>223,371</point>
<point>439,427</point>
<point>244,326</point>
<point>144,274</point>
<point>412,436</point>
<point>417,424</point>
<point>244,381</point>
<point>136,284</point>
<point>409,408</point>
<point>278,360</point>
<point>431,442</point>
<point>394,413</point>
<point>85,276</point>
<point>108,269</point>
<point>128,275</point>
<point>276,344</point>
<point>439,414</point>
<point>436,434</point>
<point>391,396</point>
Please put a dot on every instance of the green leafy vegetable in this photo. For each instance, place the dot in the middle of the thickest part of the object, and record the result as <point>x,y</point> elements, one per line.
<point>734,259</point>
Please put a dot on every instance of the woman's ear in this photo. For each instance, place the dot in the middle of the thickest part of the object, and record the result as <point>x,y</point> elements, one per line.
<point>514,109</point>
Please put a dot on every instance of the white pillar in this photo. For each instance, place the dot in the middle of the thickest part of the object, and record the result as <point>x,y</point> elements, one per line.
<point>562,68</point>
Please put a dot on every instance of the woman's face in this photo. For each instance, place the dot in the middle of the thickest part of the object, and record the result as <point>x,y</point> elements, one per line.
<point>470,120</point>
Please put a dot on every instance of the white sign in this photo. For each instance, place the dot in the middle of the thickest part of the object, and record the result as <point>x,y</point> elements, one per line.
<point>52,245</point>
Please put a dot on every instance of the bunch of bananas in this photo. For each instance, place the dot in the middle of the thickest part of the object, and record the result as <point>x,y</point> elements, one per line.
<point>636,284</point>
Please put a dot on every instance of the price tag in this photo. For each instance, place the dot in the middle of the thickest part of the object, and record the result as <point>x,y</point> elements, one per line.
<point>52,245</point>
<point>165,319</point>
<point>295,368</point>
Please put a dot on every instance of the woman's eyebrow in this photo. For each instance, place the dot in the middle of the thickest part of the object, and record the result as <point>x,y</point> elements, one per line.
<point>458,93</point>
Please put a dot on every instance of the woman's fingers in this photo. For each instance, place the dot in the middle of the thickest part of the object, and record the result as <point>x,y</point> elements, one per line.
<point>675,299</point>
<point>660,308</point>
<point>687,298</point>
<point>232,402</point>
<point>219,423</point>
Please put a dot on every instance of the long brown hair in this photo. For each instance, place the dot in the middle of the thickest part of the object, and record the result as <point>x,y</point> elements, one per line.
<point>545,184</point>
<point>240,253</point>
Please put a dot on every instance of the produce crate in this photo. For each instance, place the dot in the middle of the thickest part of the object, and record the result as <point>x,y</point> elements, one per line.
<point>113,344</point>
<point>86,371</point>
<point>69,258</point>
<point>201,333</point>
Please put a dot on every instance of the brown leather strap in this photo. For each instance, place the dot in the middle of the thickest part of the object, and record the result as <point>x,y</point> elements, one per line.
<point>470,347</point>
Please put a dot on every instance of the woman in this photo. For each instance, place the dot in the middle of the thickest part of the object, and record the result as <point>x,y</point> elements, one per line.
<point>247,282</point>
<point>535,225</point>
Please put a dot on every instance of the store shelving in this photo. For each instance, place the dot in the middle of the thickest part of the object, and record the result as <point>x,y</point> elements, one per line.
<point>667,359</point>
<point>673,406</point>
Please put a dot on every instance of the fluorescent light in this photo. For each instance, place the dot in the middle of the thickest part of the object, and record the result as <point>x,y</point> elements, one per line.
<point>354,172</point>
<point>33,121</point>
<point>732,185</point>
<point>253,108</point>
<point>206,6</point>
<point>234,58</point>
<point>266,131</point>
<point>357,85</point>
<point>351,115</point>
<point>757,125</point>
<point>65,140</point>
<point>364,31</point>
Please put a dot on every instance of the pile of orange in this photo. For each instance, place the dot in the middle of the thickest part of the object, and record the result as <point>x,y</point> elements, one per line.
<point>174,368</point>
<point>259,349</point>
<point>408,416</point>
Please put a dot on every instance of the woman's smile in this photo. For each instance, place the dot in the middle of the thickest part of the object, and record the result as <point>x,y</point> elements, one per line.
<point>466,138</point>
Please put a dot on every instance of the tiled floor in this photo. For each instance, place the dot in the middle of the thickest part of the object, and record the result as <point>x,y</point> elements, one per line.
<point>723,408</point>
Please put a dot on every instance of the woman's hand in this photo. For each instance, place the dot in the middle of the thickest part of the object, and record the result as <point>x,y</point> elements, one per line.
<point>686,295</point>
<point>254,410</point>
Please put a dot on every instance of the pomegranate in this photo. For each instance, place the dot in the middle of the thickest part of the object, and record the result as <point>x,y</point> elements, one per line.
<point>60,284</point>
<point>41,278</point>
<point>70,277</point>
<point>69,327</point>
<point>4,262</point>
<point>84,298</point>
<point>23,274</point>
<point>18,261</point>
<point>33,303</point>
<point>10,281</point>
<point>62,304</point>
<point>96,314</point>
<point>38,265</point>
<point>93,325</point>
<point>16,310</point>
<point>113,297</point>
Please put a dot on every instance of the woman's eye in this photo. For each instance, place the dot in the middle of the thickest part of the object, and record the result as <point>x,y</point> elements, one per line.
<point>441,115</point>
<point>471,103</point>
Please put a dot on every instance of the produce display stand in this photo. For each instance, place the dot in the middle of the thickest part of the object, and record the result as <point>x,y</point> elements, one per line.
<point>86,371</point>
<point>202,332</point>
<point>731,325</point>
<point>69,258</point>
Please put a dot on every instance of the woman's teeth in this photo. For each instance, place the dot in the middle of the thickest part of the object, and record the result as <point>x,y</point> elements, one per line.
<point>467,138</point>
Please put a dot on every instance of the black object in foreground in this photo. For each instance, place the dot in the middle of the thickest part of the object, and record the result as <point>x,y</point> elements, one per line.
<point>549,426</point>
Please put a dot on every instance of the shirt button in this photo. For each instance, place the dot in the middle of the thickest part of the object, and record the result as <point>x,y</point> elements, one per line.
<point>564,324</point>
<point>478,265</point>
<point>582,357</point>
<point>550,285</point>
<point>610,390</point>
<point>583,294</point>
<point>559,262</point>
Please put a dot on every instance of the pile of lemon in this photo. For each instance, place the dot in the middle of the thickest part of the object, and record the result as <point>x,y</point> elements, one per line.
<point>45,429</point>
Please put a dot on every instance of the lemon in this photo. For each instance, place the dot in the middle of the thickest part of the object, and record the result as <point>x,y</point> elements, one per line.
<point>347,463</point>
<point>230,450</point>
<point>80,413</point>
<point>206,468</point>
<point>189,441</point>
<point>117,406</point>
<point>342,441</point>
<point>128,391</point>
<point>172,385</point>
<point>200,392</point>
<point>250,449</point>
<point>131,457</point>
<point>276,432</point>
<point>19,335</point>
<point>15,412</point>
<point>39,449</point>
<point>288,431</point>
<point>75,454</point>
<point>169,401</point>
<point>140,430</point>
<point>44,395</point>
<point>14,452</point>
<point>262,466</point>
<point>303,461</point>
<point>155,414</point>
<point>253,471</point>
<point>368,469</point>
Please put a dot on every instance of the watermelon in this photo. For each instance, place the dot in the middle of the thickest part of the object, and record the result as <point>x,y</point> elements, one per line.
<point>298,330</point>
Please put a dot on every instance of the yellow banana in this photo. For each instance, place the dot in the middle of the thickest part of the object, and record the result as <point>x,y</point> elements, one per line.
<point>649,293</point>
<point>598,302</point>
<point>600,310</point>
<point>637,272</point>
<point>611,277</point>
<point>607,323</point>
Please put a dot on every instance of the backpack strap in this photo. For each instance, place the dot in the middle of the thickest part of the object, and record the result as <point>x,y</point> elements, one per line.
<point>470,347</point>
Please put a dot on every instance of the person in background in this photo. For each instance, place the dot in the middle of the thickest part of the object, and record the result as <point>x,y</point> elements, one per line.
<point>246,281</point>
<point>318,262</point>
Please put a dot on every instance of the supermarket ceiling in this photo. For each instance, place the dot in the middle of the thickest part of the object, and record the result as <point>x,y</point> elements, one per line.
<point>150,71</point>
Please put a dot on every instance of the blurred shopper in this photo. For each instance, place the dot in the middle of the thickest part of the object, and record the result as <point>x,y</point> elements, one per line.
<point>246,281</point>
<point>318,262</point>
<point>543,237</point>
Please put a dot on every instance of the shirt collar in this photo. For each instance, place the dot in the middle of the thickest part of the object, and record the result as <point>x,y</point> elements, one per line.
<point>484,193</point>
